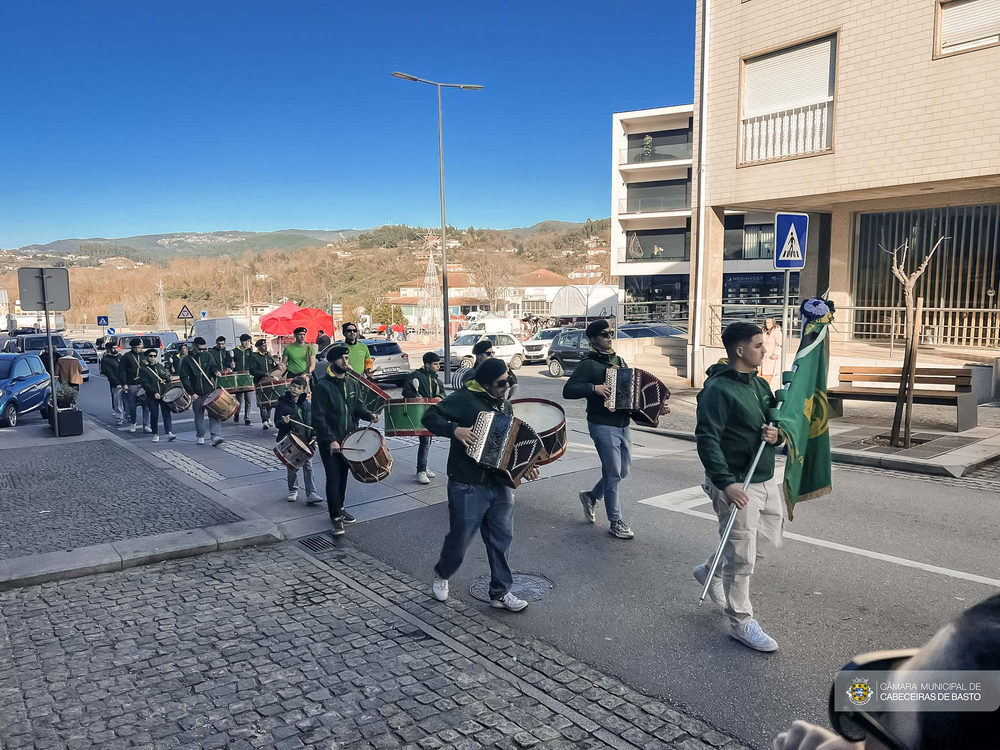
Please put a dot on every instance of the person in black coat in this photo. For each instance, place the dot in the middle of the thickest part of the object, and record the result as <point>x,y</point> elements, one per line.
<point>293,414</point>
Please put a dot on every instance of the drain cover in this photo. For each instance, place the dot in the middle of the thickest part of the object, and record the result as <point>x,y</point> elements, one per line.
<point>318,543</point>
<point>528,586</point>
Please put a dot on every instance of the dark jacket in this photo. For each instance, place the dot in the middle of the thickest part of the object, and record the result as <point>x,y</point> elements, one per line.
<point>429,385</point>
<point>261,364</point>
<point>154,379</point>
<point>175,362</point>
<point>588,373</point>
<point>129,368</point>
<point>111,369</point>
<point>300,411</point>
<point>242,359</point>
<point>460,409</point>
<point>471,375</point>
<point>193,379</point>
<point>223,358</point>
<point>336,408</point>
<point>732,406</point>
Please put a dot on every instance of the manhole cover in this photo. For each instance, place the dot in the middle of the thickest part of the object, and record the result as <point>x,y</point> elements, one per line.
<point>528,586</point>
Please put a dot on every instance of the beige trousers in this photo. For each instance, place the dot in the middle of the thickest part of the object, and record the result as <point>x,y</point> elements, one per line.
<point>756,534</point>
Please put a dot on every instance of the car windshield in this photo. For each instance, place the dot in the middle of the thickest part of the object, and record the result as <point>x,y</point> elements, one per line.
<point>5,366</point>
<point>384,349</point>
<point>467,340</point>
<point>546,335</point>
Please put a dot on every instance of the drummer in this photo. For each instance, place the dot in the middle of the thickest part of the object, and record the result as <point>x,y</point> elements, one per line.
<point>261,364</point>
<point>424,383</point>
<point>337,407</point>
<point>156,382</point>
<point>483,350</point>
<point>198,371</point>
<point>477,501</point>
<point>221,356</point>
<point>242,356</point>
<point>293,414</point>
<point>176,358</point>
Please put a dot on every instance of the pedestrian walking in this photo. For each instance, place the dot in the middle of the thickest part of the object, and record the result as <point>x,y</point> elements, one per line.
<point>322,340</point>
<point>68,371</point>
<point>293,414</point>
<point>156,382</point>
<point>731,422</point>
<point>771,365</point>
<point>131,387</point>
<point>424,383</point>
<point>198,371</point>
<point>111,369</point>
<point>243,362</point>
<point>477,501</point>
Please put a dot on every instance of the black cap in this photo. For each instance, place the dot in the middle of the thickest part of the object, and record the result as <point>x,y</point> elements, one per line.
<point>245,337</point>
<point>261,342</point>
<point>336,351</point>
<point>483,345</point>
<point>109,346</point>
<point>597,327</point>
<point>490,370</point>
<point>199,341</point>
<point>430,357</point>
<point>135,342</point>
<point>220,339</point>
<point>300,329</point>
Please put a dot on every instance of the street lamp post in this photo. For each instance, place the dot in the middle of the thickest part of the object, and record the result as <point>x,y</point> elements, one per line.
<point>444,238</point>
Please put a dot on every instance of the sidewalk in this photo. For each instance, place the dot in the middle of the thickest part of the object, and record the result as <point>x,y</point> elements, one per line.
<point>283,649</point>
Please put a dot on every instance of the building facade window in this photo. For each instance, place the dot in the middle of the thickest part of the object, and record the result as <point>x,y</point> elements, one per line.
<point>747,241</point>
<point>966,25</point>
<point>659,244</point>
<point>657,195</point>
<point>657,145</point>
<point>759,288</point>
<point>536,307</point>
<point>788,102</point>
<point>660,288</point>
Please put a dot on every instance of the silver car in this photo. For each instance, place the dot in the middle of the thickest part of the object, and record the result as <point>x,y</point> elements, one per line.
<point>392,364</point>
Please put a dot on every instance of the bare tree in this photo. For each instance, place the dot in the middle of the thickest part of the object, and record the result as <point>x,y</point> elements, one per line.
<point>494,272</point>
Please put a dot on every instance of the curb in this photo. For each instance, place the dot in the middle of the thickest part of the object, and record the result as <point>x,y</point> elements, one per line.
<point>859,458</point>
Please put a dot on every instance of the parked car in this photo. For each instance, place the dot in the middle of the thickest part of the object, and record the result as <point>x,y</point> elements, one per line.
<point>392,364</point>
<point>566,351</point>
<point>505,347</point>
<point>536,349</point>
<point>86,350</point>
<point>24,386</point>
<point>32,343</point>
<point>24,331</point>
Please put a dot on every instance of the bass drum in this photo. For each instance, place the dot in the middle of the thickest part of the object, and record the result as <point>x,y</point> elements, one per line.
<point>293,451</point>
<point>367,455</point>
<point>547,419</point>
<point>458,376</point>
<point>221,405</point>
<point>403,417</point>
<point>177,400</point>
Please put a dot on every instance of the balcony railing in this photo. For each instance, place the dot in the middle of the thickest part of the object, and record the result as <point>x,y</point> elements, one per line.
<point>673,313</point>
<point>650,203</point>
<point>638,254</point>
<point>794,132</point>
<point>666,152</point>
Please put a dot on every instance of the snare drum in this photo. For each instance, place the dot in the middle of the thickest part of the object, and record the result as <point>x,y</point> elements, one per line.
<point>221,405</point>
<point>546,418</point>
<point>293,451</point>
<point>177,400</point>
<point>366,455</point>
<point>403,416</point>
<point>269,390</point>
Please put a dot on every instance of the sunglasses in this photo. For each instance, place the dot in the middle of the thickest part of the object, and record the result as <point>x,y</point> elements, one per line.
<point>609,334</point>
<point>500,383</point>
<point>856,725</point>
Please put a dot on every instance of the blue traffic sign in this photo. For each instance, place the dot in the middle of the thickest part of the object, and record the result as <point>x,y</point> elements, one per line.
<point>102,321</point>
<point>790,232</point>
<point>111,331</point>
<point>204,314</point>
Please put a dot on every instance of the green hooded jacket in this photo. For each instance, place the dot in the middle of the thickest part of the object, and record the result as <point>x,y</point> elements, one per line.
<point>111,369</point>
<point>242,359</point>
<point>429,385</point>
<point>460,409</point>
<point>732,407</point>
<point>336,408</point>
<point>223,358</point>
<point>586,375</point>
<point>193,378</point>
<point>155,379</point>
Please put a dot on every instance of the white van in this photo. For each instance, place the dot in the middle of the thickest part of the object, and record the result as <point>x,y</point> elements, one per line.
<point>492,325</point>
<point>212,328</point>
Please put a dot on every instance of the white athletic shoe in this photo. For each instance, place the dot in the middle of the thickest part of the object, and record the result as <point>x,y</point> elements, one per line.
<point>750,634</point>
<point>146,429</point>
<point>430,473</point>
<point>131,428</point>
<point>293,496</point>
<point>313,499</point>
<point>715,592</point>
<point>422,478</point>
<point>201,441</point>
<point>171,436</point>
<point>621,530</point>
<point>217,441</point>
<point>589,504</point>
<point>156,438</point>
<point>509,601</point>
<point>440,589</point>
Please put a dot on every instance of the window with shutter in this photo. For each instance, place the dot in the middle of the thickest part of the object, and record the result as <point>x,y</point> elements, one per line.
<point>788,102</point>
<point>965,25</point>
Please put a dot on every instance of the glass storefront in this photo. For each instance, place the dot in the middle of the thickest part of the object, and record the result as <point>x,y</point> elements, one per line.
<point>659,244</point>
<point>759,288</point>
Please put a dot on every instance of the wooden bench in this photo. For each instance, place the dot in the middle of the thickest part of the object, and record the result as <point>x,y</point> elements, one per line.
<point>959,378</point>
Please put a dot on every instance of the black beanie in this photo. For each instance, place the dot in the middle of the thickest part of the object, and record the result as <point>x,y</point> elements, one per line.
<point>597,327</point>
<point>199,341</point>
<point>336,351</point>
<point>490,370</point>
<point>483,345</point>
<point>135,342</point>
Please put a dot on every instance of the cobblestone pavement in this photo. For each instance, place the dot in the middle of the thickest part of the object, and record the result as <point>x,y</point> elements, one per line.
<point>78,494</point>
<point>271,648</point>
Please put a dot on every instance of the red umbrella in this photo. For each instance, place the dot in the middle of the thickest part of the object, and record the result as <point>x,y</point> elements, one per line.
<point>286,310</point>
<point>313,320</point>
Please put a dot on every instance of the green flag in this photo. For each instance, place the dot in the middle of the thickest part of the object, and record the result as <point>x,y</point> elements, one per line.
<point>802,415</point>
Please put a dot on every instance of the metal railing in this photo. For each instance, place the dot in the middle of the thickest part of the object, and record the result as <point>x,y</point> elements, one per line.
<point>639,254</point>
<point>672,313</point>
<point>722,315</point>
<point>649,203</point>
<point>803,130</point>
<point>666,152</point>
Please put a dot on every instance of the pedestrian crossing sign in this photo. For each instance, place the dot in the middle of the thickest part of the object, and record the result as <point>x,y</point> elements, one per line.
<point>790,232</point>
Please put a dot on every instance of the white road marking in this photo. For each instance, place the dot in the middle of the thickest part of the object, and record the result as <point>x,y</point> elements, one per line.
<point>683,501</point>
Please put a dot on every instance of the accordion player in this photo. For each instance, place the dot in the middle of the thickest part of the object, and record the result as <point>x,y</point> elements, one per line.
<point>505,444</point>
<point>636,391</point>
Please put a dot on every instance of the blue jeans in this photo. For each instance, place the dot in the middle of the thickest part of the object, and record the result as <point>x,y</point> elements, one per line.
<point>614,446</point>
<point>488,508</point>
<point>214,425</point>
<point>423,450</point>
<point>307,474</point>
<point>158,408</point>
<point>131,400</point>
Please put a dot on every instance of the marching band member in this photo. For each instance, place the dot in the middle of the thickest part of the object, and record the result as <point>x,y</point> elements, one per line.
<point>293,413</point>
<point>111,369</point>
<point>299,358</point>
<point>242,362</point>
<point>221,356</point>
<point>261,363</point>
<point>198,371</point>
<point>337,407</point>
<point>359,357</point>
<point>156,382</point>
<point>177,358</point>
<point>477,501</point>
<point>424,383</point>
<point>482,351</point>
<point>131,387</point>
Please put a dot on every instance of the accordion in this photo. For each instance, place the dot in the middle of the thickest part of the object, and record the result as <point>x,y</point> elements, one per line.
<point>636,391</point>
<point>505,444</point>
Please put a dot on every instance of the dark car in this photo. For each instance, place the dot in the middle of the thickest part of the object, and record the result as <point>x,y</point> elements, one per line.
<point>24,386</point>
<point>569,347</point>
<point>86,350</point>
<point>32,343</point>
<point>149,340</point>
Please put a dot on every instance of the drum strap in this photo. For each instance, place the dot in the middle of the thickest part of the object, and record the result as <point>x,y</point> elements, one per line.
<point>198,365</point>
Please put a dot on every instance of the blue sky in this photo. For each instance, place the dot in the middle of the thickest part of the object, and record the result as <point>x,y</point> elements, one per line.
<point>122,118</point>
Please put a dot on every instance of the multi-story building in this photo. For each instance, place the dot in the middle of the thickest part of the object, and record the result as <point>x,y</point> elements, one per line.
<point>881,121</point>
<point>652,217</point>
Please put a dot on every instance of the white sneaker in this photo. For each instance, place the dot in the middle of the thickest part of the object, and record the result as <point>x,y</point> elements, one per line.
<point>156,438</point>
<point>509,601</point>
<point>621,530</point>
<point>201,441</point>
<point>171,436</point>
<point>422,478</point>
<point>589,504</point>
<point>217,441</point>
<point>440,589</point>
<point>146,429</point>
<point>313,499</point>
<point>293,496</point>
<point>750,634</point>
<point>131,428</point>
<point>715,592</point>
<point>430,473</point>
